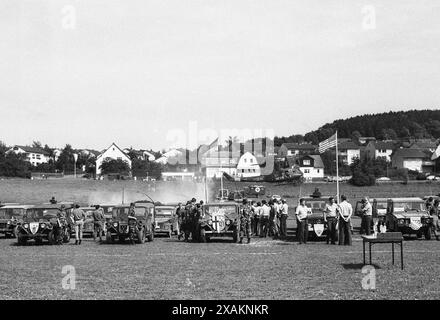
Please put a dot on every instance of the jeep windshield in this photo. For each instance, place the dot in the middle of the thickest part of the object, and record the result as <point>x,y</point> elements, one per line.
<point>409,206</point>
<point>223,210</point>
<point>122,213</point>
<point>316,205</point>
<point>40,214</point>
<point>164,212</point>
<point>11,212</point>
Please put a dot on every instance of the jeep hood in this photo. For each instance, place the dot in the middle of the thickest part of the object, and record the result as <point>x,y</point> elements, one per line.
<point>407,215</point>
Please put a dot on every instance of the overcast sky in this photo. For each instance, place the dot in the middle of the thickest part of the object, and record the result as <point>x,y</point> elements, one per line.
<point>131,71</point>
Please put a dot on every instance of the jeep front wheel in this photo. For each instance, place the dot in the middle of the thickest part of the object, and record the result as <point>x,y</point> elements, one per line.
<point>21,240</point>
<point>235,236</point>
<point>428,232</point>
<point>151,236</point>
<point>66,237</point>
<point>202,237</point>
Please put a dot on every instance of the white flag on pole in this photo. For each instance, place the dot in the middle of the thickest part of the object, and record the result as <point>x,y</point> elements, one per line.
<point>327,143</point>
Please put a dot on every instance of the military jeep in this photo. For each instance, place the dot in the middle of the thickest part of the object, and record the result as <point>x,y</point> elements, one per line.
<point>409,216</point>
<point>122,227</point>
<point>10,217</point>
<point>219,220</point>
<point>38,225</point>
<point>166,220</point>
<point>316,224</point>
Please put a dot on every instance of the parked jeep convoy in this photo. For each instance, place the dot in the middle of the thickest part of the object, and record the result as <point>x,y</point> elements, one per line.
<point>409,216</point>
<point>123,227</point>
<point>10,217</point>
<point>219,220</point>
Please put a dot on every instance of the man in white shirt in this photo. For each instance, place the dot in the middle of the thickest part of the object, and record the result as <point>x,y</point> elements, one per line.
<point>331,218</point>
<point>302,212</point>
<point>345,212</point>
<point>284,213</point>
<point>367,216</point>
<point>264,219</point>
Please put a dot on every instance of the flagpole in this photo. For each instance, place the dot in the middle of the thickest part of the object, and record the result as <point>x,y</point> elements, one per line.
<point>337,168</point>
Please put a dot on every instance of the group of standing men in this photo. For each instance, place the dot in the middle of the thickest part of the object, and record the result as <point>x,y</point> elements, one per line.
<point>188,219</point>
<point>269,218</point>
<point>336,216</point>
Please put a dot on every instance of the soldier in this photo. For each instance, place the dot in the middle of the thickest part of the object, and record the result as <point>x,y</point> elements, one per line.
<point>193,220</point>
<point>58,225</point>
<point>132,220</point>
<point>435,216</point>
<point>187,220</point>
<point>180,214</point>
<point>78,217</point>
<point>245,221</point>
<point>98,222</point>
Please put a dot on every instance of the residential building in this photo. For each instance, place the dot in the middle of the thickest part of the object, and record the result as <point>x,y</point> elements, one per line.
<point>35,156</point>
<point>294,149</point>
<point>112,152</point>
<point>311,166</point>
<point>348,151</point>
<point>380,149</point>
<point>248,166</point>
<point>412,159</point>
<point>216,162</point>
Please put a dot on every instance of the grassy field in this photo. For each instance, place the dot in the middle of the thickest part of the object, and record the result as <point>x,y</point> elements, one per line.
<point>172,269</point>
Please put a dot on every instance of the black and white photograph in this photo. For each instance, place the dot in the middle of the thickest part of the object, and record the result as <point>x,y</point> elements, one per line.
<point>217,156</point>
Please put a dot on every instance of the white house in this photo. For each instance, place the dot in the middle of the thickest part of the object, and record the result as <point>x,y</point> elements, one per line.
<point>35,156</point>
<point>348,151</point>
<point>248,166</point>
<point>112,152</point>
<point>311,166</point>
<point>173,154</point>
<point>380,149</point>
<point>215,163</point>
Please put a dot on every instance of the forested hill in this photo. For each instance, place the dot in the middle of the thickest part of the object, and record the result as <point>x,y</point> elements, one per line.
<point>391,125</point>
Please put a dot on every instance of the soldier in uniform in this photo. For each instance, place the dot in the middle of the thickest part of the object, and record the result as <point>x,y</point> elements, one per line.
<point>132,220</point>
<point>180,214</point>
<point>245,221</point>
<point>193,219</point>
<point>187,220</point>
<point>98,221</point>
<point>59,224</point>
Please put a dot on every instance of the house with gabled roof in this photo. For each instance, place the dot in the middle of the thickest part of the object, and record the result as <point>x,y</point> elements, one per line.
<point>380,149</point>
<point>112,152</point>
<point>412,159</point>
<point>294,149</point>
<point>34,155</point>
<point>311,166</point>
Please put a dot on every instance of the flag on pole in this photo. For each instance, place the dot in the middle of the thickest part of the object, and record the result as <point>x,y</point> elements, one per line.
<point>327,143</point>
<point>213,143</point>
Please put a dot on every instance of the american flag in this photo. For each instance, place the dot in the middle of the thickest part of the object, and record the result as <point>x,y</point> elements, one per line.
<point>327,143</point>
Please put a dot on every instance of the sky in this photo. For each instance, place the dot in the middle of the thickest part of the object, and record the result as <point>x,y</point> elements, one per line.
<point>156,74</point>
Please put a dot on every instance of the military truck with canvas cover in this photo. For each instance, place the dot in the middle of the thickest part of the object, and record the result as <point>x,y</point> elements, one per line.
<point>166,220</point>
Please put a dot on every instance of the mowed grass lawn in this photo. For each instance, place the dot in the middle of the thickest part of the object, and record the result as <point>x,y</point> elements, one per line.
<point>172,269</point>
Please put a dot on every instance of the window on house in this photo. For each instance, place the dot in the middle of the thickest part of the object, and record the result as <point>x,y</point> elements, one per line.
<point>245,160</point>
<point>317,170</point>
<point>306,170</point>
<point>251,160</point>
<point>306,162</point>
<point>119,158</point>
